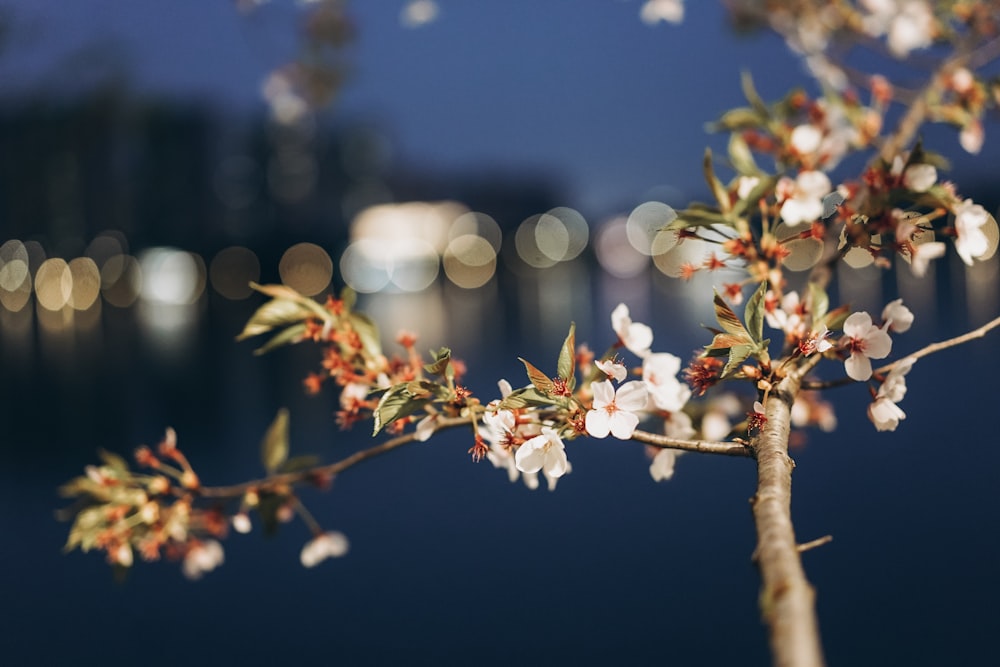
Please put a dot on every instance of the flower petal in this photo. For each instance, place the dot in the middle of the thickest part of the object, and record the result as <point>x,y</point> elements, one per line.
<point>623,424</point>
<point>631,396</point>
<point>598,424</point>
<point>858,367</point>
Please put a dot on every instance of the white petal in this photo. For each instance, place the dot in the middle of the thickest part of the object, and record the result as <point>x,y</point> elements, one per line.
<point>604,394</point>
<point>531,455</point>
<point>631,396</point>
<point>858,324</point>
<point>858,367</point>
<point>623,424</point>
<point>598,424</point>
<point>555,463</point>
<point>877,344</point>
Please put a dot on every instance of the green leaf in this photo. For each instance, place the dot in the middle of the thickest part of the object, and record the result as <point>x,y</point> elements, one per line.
<point>834,320</point>
<point>113,461</point>
<point>540,380</point>
<point>567,356</point>
<point>273,314</point>
<point>728,320</point>
<point>274,446</point>
<point>819,302</point>
<point>740,155</point>
<point>734,120</point>
<point>367,330</point>
<point>292,334</point>
<point>696,216</point>
<point>527,397</point>
<point>297,463</point>
<point>349,297</point>
<point>718,189</point>
<point>737,355</point>
<point>750,92</point>
<point>287,293</point>
<point>442,359</point>
<point>404,399</point>
<point>754,313</point>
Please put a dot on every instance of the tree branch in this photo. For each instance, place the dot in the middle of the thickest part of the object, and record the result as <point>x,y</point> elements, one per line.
<point>787,599</point>
<point>922,352</point>
<point>328,470</point>
<point>703,446</point>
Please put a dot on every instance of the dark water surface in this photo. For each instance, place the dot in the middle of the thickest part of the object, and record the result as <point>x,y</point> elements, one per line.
<point>450,563</point>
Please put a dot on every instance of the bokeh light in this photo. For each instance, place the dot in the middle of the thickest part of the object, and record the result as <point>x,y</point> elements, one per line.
<point>121,280</point>
<point>470,261</point>
<point>645,222</point>
<point>171,276</point>
<point>85,279</point>
<point>526,243</point>
<point>53,284</point>
<point>477,224</point>
<point>561,234</point>
<point>306,268</point>
<point>232,270</point>
<point>615,252</point>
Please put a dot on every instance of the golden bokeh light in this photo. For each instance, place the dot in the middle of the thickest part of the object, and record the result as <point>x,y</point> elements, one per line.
<point>526,243</point>
<point>364,267</point>
<point>306,268</point>
<point>86,283</point>
<point>232,270</point>
<point>53,284</point>
<point>470,261</point>
<point>562,233</point>
<point>645,222</point>
<point>121,280</point>
<point>15,299</point>
<point>480,224</point>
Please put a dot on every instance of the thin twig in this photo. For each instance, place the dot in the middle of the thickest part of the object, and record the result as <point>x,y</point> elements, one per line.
<point>922,352</point>
<point>812,544</point>
<point>703,446</point>
<point>328,470</point>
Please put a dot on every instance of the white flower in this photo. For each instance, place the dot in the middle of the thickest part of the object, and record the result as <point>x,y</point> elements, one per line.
<point>425,428</point>
<point>909,24</point>
<point>678,425</point>
<point>920,177</point>
<point>545,452</point>
<point>662,466</point>
<point>806,139</point>
<point>202,557</point>
<point>883,411</point>
<point>971,137</point>
<point>865,341</point>
<point>659,373</point>
<point>922,255</point>
<point>654,11</point>
<point>635,336</point>
<point>970,241</point>
<point>241,523</point>
<point>885,414</point>
<point>501,457</point>
<point>897,317</point>
<point>614,412</point>
<point>332,544</point>
<point>789,317</point>
<point>745,186</point>
<point>806,201</point>
<point>612,370</point>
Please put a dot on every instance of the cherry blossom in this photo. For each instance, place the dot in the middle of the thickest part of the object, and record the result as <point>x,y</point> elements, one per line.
<point>614,412</point>
<point>501,457</point>
<point>545,452</point>
<point>659,373</point>
<point>804,202</point>
<point>612,370</point>
<point>635,336</point>
<point>920,177</point>
<point>898,318</point>
<point>654,11</point>
<point>332,544</point>
<point>908,23</point>
<point>202,557</point>
<point>883,411</point>
<point>662,467</point>
<point>865,341</point>
<point>970,241</point>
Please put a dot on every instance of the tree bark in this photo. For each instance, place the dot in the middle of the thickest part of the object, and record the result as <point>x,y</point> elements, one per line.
<point>787,599</point>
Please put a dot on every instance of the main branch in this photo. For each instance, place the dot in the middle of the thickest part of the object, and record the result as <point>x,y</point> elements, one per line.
<point>787,599</point>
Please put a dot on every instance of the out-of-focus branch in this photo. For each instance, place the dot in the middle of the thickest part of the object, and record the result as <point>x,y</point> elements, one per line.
<point>324,471</point>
